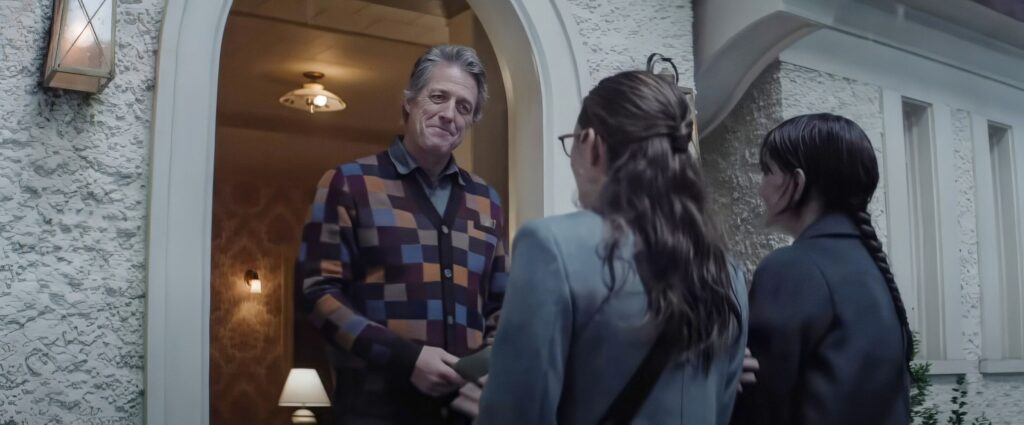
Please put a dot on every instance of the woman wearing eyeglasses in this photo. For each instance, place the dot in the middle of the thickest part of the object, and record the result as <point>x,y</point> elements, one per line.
<point>627,311</point>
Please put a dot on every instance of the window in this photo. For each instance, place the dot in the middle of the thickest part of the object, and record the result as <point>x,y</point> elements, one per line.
<point>924,234</point>
<point>925,271</point>
<point>1000,248</point>
<point>1008,239</point>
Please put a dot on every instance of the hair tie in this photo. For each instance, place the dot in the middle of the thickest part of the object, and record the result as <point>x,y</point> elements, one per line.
<point>678,142</point>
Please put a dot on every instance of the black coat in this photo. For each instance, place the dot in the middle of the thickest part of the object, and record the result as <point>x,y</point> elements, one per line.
<point>826,333</point>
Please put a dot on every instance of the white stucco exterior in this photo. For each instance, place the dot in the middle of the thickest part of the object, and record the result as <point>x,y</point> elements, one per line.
<point>811,77</point>
<point>74,187</point>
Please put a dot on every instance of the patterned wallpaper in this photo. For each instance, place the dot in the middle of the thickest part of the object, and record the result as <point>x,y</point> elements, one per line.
<point>255,226</point>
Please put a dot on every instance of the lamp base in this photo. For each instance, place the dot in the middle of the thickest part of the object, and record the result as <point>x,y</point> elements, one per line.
<point>303,416</point>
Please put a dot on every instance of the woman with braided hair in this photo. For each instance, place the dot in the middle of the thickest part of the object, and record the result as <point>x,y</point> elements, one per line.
<point>827,324</point>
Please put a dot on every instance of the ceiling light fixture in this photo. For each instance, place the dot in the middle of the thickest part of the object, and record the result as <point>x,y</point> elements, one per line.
<point>312,97</point>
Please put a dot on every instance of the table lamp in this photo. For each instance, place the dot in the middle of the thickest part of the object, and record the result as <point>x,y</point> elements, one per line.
<point>303,389</point>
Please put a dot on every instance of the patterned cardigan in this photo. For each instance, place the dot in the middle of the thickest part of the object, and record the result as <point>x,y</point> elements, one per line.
<point>381,273</point>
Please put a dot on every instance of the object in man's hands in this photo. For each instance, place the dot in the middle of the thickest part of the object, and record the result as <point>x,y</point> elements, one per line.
<point>474,366</point>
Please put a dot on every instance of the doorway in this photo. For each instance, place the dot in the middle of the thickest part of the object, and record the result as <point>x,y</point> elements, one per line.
<point>269,157</point>
<point>544,77</point>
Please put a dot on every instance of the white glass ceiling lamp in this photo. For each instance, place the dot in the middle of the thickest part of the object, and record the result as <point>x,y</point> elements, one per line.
<point>81,54</point>
<point>312,97</point>
<point>303,389</point>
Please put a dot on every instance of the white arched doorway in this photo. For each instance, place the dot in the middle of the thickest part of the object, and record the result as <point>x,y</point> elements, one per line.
<point>544,80</point>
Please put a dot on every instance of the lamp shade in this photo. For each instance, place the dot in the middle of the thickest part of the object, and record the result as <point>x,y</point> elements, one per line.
<point>303,388</point>
<point>81,54</point>
<point>312,96</point>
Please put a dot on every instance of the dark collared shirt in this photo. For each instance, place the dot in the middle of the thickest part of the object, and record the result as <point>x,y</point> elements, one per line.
<point>438,191</point>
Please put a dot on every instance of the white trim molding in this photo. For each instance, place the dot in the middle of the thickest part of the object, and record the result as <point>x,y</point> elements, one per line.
<point>988,249</point>
<point>949,242</point>
<point>544,79</point>
<point>897,192</point>
<point>1001,366</point>
<point>952,367</point>
<point>901,239</point>
<point>178,289</point>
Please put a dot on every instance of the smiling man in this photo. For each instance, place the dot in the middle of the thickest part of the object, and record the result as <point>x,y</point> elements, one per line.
<point>403,263</point>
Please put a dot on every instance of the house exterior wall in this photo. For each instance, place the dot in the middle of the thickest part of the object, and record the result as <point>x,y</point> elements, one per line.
<point>730,160</point>
<point>617,35</point>
<point>74,171</point>
<point>74,175</point>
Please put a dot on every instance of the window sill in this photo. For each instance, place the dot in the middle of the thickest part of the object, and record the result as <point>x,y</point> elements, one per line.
<point>1001,366</point>
<point>950,367</point>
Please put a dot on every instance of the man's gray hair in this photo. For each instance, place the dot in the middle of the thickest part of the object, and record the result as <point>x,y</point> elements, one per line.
<point>461,56</point>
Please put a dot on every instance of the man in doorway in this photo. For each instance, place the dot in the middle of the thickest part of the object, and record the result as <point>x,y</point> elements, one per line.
<point>403,261</point>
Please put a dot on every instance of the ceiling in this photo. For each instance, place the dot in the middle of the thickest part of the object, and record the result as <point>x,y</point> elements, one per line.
<point>263,57</point>
<point>415,21</point>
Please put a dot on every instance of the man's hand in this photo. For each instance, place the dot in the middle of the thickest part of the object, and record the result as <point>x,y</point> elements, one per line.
<point>468,401</point>
<point>750,368</point>
<point>433,376</point>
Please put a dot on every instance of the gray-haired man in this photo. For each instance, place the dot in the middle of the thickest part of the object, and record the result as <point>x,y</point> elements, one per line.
<point>403,263</point>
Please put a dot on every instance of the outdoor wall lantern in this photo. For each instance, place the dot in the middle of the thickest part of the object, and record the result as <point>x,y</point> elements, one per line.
<point>662,66</point>
<point>81,55</point>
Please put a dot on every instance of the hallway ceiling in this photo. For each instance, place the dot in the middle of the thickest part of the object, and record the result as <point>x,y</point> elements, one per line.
<point>415,21</point>
<point>366,54</point>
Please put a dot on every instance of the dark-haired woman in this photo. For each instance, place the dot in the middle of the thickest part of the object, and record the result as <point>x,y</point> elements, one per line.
<point>591,292</point>
<point>826,321</point>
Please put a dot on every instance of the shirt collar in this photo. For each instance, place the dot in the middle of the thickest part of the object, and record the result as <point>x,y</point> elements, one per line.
<point>405,163</point>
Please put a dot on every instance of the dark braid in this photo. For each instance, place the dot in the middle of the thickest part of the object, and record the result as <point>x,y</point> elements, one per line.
<point>841,170</point>
<point>870,239</point>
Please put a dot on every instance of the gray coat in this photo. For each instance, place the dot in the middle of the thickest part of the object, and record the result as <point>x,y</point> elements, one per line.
<point>561,357</point>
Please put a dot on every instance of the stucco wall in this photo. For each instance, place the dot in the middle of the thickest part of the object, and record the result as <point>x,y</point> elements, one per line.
<point>731,167</point>
<point>73,187</point>
<point>618,35</point>
<point>730,157</point>
<point>806,91</point>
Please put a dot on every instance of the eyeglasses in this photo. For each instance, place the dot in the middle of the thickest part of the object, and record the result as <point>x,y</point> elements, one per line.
<point>566,147</point>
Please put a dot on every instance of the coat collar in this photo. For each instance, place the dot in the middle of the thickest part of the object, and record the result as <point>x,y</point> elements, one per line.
<point>831,224</point>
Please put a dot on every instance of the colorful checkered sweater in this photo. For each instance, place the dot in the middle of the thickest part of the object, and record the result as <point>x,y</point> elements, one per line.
<point>381,273</point>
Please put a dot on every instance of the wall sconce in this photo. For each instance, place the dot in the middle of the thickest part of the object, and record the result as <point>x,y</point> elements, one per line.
<point>662,66</point>
<point>252,279</point>
<point>81,55</point>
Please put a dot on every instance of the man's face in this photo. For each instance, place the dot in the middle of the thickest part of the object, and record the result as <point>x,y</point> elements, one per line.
<point>440,113</point>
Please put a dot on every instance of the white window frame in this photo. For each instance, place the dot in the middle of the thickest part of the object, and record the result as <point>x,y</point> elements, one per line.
<point>900,216</point>
<point>993,319</point>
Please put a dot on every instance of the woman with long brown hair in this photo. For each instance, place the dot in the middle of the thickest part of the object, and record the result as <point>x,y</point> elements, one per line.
<point>629,310</point>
